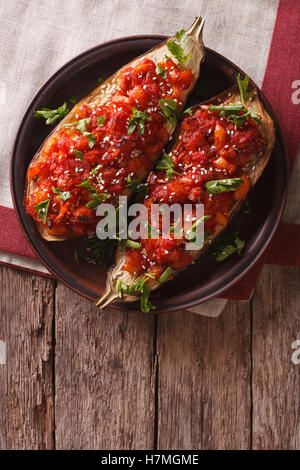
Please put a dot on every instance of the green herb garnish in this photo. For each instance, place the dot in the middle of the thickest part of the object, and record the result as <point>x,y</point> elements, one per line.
<point>177,50</point>
<point>78,154</point>
<point>136,186</point>
<point>165,275</point>
<point>191,235</point>
<point>166,163</point>
<point>226,246</point>
<point>188,111</point>
<point>220,186</point>
<point>170,110</point>
<point>138,286</point>
<point>101,119</point>
<point>81,127</point>
<point>236,113</point>
<point>97,198</point>
<point>91,139</point>
<point>42,209</point>
<point>64,195</point>
<point>73,100</point>
<point>52,115</point>
<point>132,244</point>
<point>243,87</point>
<point>138,119</point>
<point>247,208</point>
<point>100,80</point>
<point>95,170</point>
<point>99,250</point>
<point>161,71</point>
<point>132,184</point>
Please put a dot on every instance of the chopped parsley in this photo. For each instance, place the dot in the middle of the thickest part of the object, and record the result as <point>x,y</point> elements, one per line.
<point>247,208</point>
<point>166,163</point>
<point>189,111</point>
<point>42,209</point>
<point>161,71</point>
<point>220,186</point>
<point>91,139</point>
<point>132,244</point>
<point>97,198</point>
<point>138,119</point>
<point>76,256</point>
<point>52,115</point>
<point>236,113</point>
<point>165,275</point>
<point>170,110</point>
<point>137,187</point>
<point>192,233</point>
<point>177,50</point>
<point>227,245</point>
<point>81,127</point>
<point>64,195</point>
<point>98,251</point>
<point>141,287</point>
<point>101,119</point>
<point>96,170</point>
<point>243,87</point>
<point>78,154</point>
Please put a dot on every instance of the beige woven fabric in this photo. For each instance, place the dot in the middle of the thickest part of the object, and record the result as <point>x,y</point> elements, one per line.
<point>39,36</point>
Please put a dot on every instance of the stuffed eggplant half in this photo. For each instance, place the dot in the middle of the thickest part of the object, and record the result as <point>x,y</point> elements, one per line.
<point>219,152</point>
<point>111,137</point>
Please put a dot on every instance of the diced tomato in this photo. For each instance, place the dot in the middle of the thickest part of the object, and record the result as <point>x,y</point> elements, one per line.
<point>220,135</point>
<point>225,165</point>
<point>221,219</point>
<point>83,111</point>
<point>133,262</point>
<point>124,79</point>
<point>242,191</point>
<point>92,156</point>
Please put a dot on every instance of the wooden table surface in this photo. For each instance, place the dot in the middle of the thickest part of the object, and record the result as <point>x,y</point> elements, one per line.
<point>75,378</point>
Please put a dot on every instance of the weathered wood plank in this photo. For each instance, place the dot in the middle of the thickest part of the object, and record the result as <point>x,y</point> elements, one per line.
<point>204,380</point>
<point>276,380</point>
<point>105,376</point>
<point>26,386</point>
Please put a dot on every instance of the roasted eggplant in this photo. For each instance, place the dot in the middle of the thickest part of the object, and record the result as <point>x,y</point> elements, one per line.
<point>220,150</point>
<point>111,137</point>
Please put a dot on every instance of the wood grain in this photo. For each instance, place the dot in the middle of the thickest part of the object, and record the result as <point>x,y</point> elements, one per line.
<point>106,365</point>
<point>105,376</point>
<point>276,380</point>
<point>204,380</point>
<point>26,390</point>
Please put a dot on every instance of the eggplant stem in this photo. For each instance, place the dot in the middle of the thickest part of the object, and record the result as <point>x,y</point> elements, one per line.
<point>196,28</point>
<point>107,298</point>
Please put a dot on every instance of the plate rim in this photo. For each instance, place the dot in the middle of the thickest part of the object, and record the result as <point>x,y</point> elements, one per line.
<point>124,306</point>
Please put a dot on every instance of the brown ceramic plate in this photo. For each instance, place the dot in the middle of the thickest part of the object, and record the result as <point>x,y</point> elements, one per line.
<point>199,282</point>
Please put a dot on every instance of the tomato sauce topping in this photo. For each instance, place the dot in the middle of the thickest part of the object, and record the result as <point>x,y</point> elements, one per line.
<point>210,147</point>
<point>90,160</point>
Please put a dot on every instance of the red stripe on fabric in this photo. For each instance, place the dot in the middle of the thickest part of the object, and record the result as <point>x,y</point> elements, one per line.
<point>12,238</point>
<point>283,251</point>
<point>243,290</point>
<point>282,76</point>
